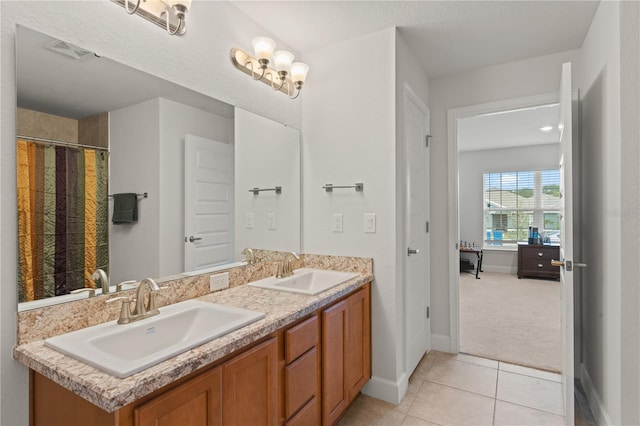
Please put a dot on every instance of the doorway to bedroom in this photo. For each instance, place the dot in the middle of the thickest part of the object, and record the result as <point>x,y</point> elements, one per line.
<point>508,187</point>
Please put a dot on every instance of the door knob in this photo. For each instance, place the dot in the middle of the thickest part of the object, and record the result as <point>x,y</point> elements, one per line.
<point>192,238</point>
<point>411,251</point>
<point>567,264</point>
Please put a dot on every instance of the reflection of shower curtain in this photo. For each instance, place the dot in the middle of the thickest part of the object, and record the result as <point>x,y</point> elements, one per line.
<point>62,218</point>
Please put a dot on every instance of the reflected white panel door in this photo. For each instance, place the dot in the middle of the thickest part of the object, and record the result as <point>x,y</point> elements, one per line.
<point>208,203</point>
<point>417,325</point>
<point>566,239</point>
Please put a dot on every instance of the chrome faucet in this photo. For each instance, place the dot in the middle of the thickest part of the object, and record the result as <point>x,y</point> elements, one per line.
<point>100,275</point>
<point>249,256</point>
<point>284,268</point>
<point>141,311</point>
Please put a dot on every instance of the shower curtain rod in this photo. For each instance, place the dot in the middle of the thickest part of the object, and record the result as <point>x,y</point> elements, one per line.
<point>62,143</point>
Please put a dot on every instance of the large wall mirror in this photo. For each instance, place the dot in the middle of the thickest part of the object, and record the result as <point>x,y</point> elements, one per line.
<point>122,171</point>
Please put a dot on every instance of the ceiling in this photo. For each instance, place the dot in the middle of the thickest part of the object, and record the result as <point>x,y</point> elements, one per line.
<point>519,127</point>
<point>52,82</point>
<point>447,37</point>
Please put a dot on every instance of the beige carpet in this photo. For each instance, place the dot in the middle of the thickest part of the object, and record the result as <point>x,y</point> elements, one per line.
<point>511,320</point>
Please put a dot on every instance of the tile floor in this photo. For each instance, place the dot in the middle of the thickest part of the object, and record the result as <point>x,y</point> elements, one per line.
<point>448,389</point>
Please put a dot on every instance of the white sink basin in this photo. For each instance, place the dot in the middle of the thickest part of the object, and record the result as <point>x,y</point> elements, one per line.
<point>306,281</point>
<point>122,350</point>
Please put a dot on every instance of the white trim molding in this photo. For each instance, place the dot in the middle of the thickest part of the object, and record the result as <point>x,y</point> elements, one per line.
<point>440,343</point>
<point>387,390</point>
<point>595,402</point>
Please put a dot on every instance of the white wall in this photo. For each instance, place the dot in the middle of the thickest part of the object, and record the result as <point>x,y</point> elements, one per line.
<point>529,77</point>
<point>133,138</point>
<point>472,166</point>
<point>199,61</point>
<point>349,136</point>
<point>611,237</point>
<point>267,154</point>
<point>177,120</point>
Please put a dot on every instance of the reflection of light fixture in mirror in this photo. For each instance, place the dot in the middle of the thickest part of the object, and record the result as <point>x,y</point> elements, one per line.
<point>169,14</point>
<point>285,76</point>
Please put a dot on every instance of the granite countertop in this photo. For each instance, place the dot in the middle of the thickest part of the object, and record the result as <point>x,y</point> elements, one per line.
<point>111,393</point>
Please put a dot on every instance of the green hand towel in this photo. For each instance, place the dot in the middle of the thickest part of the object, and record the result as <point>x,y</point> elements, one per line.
<point>125,208</point>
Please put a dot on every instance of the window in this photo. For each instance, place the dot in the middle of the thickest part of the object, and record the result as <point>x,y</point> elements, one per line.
<point>514,201</point>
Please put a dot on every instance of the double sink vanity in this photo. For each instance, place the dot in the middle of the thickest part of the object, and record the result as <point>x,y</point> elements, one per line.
<point>291,350</point>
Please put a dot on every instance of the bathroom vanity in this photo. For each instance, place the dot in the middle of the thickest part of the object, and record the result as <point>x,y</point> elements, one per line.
<point>304,363</point>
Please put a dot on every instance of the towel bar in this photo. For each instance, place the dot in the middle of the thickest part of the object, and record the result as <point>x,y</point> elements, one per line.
<point>144,195</point>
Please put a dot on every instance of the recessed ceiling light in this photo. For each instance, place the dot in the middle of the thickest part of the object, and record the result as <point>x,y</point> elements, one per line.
<point>546,128</point>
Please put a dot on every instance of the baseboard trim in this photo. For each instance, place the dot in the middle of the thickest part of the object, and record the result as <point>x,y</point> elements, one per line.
<point>387,390</point>
<point>501,269</point>
<point>441,343</point>
<point>595,403</point>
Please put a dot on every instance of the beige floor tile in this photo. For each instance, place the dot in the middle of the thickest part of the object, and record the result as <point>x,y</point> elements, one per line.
<point>540,374</point>
<point>531,392</point>
<point>414,386</point>
<point>414,421</point>
<point>448,406</point>
<point>366,410</point>
<point>508,414</point>
<point>476,360</point>
<point>465,376</point>
<point>424,366</point>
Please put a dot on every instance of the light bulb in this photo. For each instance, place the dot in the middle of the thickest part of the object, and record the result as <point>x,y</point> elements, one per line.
<point>299,72</point>
<point>263,47</point>
<point>282,60</point>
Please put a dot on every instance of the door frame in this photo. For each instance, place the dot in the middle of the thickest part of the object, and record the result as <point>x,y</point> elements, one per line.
<point>453,114</point>
<point>410,95</point>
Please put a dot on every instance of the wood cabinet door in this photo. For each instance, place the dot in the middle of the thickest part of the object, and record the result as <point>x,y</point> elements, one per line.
<point>359,343</point>
<point>250,387</point>
<point>196,402</point>
<point>334,344</point>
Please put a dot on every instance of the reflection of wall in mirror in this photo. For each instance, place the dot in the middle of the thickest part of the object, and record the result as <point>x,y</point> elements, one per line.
<point>267,155</point>
<point>147,155</point>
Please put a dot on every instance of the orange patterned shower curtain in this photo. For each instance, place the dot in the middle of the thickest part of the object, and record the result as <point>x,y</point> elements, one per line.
<point>62,218</point>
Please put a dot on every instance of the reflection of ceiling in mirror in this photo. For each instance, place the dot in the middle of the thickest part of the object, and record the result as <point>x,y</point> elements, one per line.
<point>53,81</point>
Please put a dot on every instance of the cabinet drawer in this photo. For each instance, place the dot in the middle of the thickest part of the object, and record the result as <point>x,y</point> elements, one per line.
<point>542,253</point>
<point>301,382</point>
<point>301,338</point>
<point>540,264</point>
<point>308,416</point>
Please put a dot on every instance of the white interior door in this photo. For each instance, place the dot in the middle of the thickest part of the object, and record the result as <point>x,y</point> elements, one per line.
<point>566,239</point>
<point>417,323</point>
<point>208,203</point>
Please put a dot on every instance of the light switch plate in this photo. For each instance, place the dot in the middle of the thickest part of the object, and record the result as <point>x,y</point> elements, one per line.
<point>219,281</point>
<point>370,222</point>
<point>250,220</point>
<point>271,221</point>
<point>337,222</point>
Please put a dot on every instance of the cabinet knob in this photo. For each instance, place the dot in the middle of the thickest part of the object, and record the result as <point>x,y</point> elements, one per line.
<point>540,265</point>
<point>540,254</point>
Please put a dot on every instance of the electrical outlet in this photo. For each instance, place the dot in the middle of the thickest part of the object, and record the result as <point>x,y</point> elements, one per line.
<point>250,220</point>
<point>337,222</point>
<point>271,221</point>
<point>219,281</point>
<point>370,222</point>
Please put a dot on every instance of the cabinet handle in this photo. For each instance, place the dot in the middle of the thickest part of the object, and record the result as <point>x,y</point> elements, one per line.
<point>540,254</point>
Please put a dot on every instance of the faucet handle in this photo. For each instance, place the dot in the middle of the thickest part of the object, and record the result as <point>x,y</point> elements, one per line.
<point>152,300</point>
<point>133,283</point>
<point>125,310</point>
<point>91,291</point>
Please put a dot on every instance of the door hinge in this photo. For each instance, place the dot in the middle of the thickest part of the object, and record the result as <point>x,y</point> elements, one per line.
<point>427,227</point>
<point>428,313</point>
<point>427,137</point>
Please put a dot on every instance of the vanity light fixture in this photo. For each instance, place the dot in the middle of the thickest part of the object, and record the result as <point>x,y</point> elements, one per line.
<point>284,75</point>
<point>169,14</point>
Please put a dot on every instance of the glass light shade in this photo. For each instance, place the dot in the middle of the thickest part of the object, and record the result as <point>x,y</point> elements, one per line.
<point>299,72</point>
<point>263,47</point>
<point>282,60</point>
